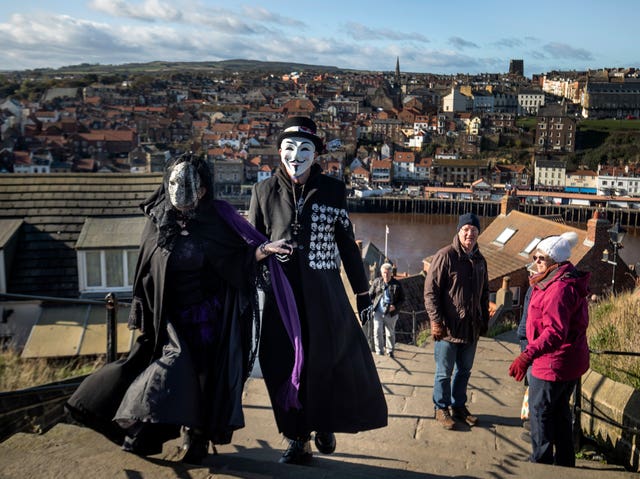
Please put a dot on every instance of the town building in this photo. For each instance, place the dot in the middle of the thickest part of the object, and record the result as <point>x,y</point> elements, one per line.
<point>456,101</point>
<point>611,97</point>
<point>620,181</point>
<point>529,102</point>
<point>555,130</point>
<point>381,172</point>
<point>549,173</point>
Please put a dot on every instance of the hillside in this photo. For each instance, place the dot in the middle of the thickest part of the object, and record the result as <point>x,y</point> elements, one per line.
<point>237,65</point>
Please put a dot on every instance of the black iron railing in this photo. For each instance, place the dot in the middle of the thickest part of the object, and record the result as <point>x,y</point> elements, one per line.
<point>412,334</point>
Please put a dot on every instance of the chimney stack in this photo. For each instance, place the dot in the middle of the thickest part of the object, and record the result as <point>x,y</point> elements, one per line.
<point>597,234</point>
<point>509,203</point>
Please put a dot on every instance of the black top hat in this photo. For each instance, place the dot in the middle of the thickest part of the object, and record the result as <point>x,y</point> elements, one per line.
<point>301,126</point>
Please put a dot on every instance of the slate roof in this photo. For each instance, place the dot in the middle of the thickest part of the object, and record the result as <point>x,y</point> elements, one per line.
<point>54,208</point>
<point>506,259</point>
<point>509,259</point>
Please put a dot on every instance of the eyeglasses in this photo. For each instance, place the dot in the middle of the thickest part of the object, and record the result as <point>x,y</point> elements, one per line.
<point>541,258</point>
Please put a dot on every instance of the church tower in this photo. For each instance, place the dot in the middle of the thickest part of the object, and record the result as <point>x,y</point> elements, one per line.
<point>397,86</point>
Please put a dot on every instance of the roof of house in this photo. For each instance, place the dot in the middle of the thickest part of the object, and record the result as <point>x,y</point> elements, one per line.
<point>111,232</point>
<point>8,229</point>
<point>503,258</point>
<point>54,209</point>
<point>79,330</point>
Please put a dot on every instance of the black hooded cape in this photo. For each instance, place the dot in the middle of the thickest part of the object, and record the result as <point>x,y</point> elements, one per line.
<point>179,400</point>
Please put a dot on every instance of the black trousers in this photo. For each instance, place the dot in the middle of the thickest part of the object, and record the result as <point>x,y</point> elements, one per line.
<point>551,422</point>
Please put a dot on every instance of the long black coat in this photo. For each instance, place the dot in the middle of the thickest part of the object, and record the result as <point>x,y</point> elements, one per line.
<point>179,399</point>
<point>340,388</point>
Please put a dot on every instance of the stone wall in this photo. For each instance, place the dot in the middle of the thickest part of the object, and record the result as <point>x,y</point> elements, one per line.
<point>607,405</point>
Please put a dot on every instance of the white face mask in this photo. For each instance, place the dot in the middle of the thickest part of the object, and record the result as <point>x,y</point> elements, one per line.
<point>184,187</point>
<point>297,155</point>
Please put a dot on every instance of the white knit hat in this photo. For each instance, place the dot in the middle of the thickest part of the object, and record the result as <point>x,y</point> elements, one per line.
<point>558,248</point>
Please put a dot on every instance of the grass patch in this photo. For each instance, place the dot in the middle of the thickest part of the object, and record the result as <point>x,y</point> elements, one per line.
<point>613,326</point>
<point>608,125</point>
<point>527,123</point>
<point>423,336</point>
<point>19,373</point>
<point>497,329</point>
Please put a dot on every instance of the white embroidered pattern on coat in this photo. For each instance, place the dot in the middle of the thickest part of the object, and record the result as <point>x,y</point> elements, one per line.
<point>322,246</point>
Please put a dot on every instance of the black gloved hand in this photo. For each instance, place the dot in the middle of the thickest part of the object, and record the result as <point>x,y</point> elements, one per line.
<point>363,303</point>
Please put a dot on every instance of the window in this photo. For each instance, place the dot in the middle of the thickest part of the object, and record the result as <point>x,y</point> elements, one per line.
<point>107,270</point>
<point>531,246</point>
<point>505,235</point>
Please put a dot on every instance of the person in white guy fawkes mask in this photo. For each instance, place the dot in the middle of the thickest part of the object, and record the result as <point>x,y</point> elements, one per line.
<point>339,389</point>
<point>298,153</point>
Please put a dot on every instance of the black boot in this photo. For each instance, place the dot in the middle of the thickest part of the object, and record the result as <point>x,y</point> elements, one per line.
<point>325,442</point>
<point>136,446</point>
<point>194,446</point>
<point>298,452</point>
<point>144,439</point>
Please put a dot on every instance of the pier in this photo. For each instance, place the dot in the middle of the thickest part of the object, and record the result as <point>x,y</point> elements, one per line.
<point>627,217</point>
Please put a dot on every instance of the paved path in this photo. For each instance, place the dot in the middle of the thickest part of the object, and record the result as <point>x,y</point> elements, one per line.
<point>412,446</point>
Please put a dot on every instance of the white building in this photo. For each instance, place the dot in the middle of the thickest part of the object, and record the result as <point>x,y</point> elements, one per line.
<point>403,165</point>
<point>529,102</point>
<point>264,173</point>
<point>550,174</point>
<point>618,181</point>
<point>456,102</point>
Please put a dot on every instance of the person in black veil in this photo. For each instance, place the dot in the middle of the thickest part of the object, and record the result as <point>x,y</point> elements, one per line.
<point>194,302</point>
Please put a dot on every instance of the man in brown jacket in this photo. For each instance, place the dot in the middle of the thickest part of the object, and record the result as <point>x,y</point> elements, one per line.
<point>456,297</point>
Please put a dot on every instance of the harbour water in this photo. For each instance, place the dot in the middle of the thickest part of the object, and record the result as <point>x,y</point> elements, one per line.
<point>412,237</point>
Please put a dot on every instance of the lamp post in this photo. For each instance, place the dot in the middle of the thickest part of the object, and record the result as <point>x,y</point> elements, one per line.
<point>616,235</point>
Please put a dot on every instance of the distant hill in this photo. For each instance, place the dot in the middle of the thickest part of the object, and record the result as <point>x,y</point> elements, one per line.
<point>238,65</point>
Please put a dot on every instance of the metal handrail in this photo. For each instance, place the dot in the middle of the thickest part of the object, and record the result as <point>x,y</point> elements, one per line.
<point>55,299</point>
<point>577,404</point>
<point>617,353</point>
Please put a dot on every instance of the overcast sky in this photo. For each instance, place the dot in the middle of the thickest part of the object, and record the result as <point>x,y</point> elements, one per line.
<point>427,35</point>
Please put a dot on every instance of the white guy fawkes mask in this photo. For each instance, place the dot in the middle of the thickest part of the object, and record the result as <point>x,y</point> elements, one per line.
<point>297,154</point>
<point>184,187</point>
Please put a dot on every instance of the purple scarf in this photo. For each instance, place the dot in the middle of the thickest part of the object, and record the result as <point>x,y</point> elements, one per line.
<point>288,396</point>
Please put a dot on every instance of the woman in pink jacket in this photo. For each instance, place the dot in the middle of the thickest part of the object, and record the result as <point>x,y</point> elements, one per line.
<point>558,352</point>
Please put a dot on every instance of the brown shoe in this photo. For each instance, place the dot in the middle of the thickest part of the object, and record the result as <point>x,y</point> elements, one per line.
<point>444,418</point>
<point>463,414</point>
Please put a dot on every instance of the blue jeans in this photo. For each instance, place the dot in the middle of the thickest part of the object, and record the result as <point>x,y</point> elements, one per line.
<point>452,359</point>
<point>551,422</point>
